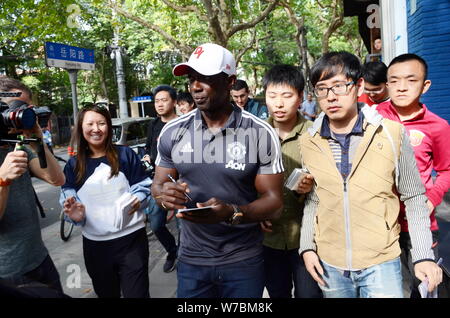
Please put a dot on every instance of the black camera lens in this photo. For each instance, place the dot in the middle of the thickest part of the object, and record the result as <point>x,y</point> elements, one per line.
<point>19,115</point>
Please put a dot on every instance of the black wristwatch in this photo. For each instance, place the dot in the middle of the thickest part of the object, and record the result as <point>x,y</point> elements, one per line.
<point>237,216</point>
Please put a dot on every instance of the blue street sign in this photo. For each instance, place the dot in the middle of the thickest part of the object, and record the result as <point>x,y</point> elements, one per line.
<point>69,57</point>
<point>142,99</point>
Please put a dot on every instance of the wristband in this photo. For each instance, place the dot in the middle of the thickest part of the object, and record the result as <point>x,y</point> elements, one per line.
<point>4,183</point>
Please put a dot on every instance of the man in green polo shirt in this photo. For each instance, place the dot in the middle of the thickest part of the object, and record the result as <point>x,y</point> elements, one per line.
<point>283,85</point>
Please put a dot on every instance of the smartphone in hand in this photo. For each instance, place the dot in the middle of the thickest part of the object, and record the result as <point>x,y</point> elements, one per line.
<point>197,211</point>
<point>296,176</point>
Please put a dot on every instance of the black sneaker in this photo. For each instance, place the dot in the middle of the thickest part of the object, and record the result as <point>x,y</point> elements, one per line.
<point>169,265</point>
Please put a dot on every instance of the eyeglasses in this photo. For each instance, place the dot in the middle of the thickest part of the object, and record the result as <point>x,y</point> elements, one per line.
<point>338,89</point>
<point>366,91</point>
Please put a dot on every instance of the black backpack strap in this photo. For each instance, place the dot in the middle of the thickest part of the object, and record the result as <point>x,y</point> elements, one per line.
<point>39,205</point>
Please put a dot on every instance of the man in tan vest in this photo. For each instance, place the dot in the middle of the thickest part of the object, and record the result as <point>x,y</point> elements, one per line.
<point>360,162</point>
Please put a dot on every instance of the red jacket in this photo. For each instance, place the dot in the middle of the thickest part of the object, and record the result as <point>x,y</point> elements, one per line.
<point>364,98</point>
<point>429,135</point>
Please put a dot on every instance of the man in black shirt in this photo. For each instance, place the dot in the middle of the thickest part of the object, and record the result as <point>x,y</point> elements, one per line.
<point>165,100</point>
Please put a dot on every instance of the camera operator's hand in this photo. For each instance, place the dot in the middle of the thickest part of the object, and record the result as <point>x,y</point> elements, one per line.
<point>15,165</point>
<point>74,210</point>
<point>35,132</point>
<point>53,173</point>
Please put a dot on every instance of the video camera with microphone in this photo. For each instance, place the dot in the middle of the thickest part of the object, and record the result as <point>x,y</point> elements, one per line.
<point>19,115</point>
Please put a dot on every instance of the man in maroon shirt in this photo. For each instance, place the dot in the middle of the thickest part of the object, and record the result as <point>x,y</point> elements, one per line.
<point>428,133</point>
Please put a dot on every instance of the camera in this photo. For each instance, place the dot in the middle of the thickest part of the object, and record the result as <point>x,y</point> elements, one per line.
<point>18,114</point>
<point>43,114</point>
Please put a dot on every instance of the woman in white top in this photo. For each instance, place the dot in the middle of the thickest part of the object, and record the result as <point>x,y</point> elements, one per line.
<point>105,192</point>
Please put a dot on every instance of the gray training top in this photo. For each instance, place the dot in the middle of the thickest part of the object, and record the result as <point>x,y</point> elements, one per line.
<point>224,165</point>
<point>21,246</point>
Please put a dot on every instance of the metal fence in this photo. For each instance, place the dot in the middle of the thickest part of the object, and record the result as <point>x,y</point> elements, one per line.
<point>61,129</point>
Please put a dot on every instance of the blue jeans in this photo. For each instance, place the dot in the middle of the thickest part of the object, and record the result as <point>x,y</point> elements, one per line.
<point>378,281</point>
<point>158,217</point>
<point>244,279</point>
<point>285,269</point>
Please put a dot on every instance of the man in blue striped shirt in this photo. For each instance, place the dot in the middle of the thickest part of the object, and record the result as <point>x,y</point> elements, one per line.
<point>360,162</point>
<point>228,159</point>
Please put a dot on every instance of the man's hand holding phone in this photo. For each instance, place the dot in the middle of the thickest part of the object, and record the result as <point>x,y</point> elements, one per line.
<point>210,212</point>
<point>305,184</point>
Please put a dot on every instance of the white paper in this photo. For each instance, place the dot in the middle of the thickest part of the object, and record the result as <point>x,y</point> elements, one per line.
<point>123,207</point>
<point>423,290</point>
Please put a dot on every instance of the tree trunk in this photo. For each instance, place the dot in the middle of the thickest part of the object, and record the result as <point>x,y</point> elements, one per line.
<point>338,21</point>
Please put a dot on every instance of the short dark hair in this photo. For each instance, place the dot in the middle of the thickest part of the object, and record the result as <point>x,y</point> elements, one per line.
<point>239,84</point>
<point>185,97</point>
<point>334,63</point>
<point>285,74</point>
<point>410,57</point>
<point>8,84</point>
<point>166,88</point>
<point>374,73</point>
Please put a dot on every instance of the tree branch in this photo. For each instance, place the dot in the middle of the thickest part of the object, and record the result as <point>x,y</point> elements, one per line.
<point>338,21</point>
<point>225,13</point>
<point>300,39</point>
<point>214,27</point>
<point>248,25</point>
<point>187,50</point>
<point>320,4</point>
<point>245,49</point>
<point>291,14</point>
<point>192,8</point>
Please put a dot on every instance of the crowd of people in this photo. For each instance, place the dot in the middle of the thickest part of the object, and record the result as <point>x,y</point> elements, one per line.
<point>363,205</point>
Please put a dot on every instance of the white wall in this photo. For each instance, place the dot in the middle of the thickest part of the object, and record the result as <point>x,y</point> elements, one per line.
<point>394,29</point>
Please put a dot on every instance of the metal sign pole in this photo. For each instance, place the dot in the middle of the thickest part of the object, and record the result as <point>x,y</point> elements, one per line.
<point>73,74</point>
<point>142,108</point>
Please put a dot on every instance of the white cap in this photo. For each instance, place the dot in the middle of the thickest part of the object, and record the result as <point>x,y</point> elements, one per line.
<point>208,59</point>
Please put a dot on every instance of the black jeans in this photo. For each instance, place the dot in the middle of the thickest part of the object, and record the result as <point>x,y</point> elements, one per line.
<point>119,265</point>
<point>158,218</point>
<point>285,269</point>
<point>405,245</point>
<point>45,275</point>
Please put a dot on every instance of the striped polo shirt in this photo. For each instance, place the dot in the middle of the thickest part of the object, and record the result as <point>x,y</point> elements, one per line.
<point>222,164</point>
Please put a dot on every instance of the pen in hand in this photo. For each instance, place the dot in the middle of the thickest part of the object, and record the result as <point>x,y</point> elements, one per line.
<point>173,180</point>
